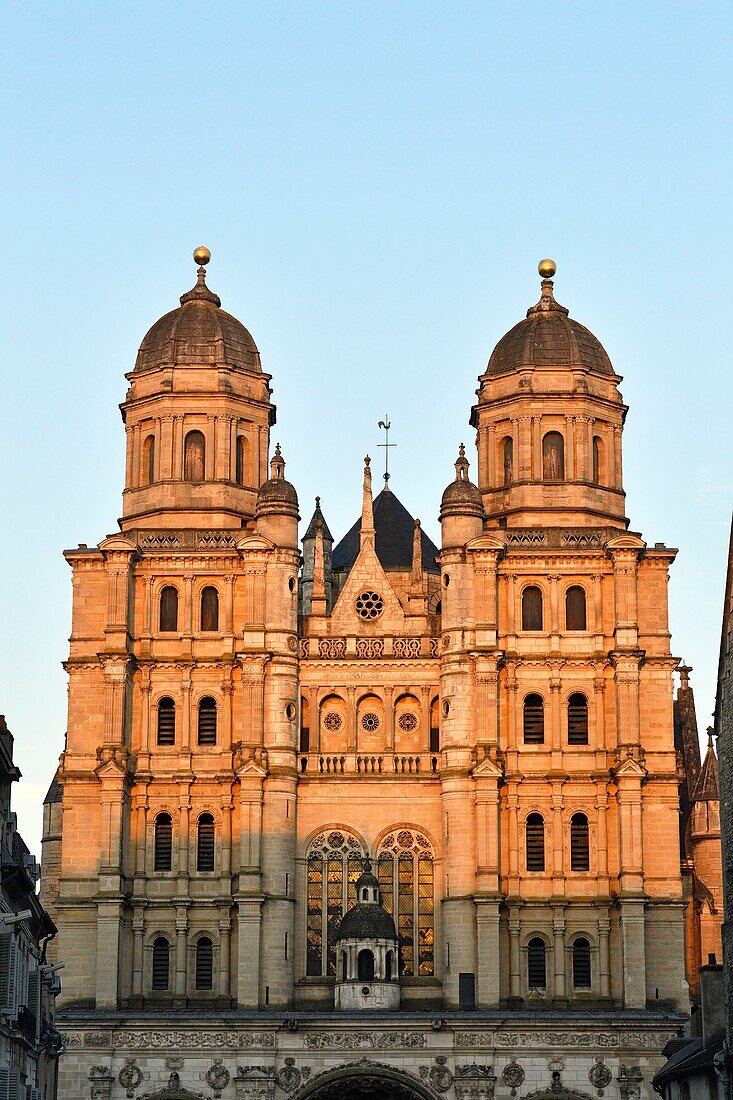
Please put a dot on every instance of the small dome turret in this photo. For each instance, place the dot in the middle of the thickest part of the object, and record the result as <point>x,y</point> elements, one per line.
<point>461,496</point>
<point>276,495</point>
<point>367,972</point>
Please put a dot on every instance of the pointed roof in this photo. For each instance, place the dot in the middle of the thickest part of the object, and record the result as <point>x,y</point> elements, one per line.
<point>706,787</point>
<point>311,530</point>
<point>394,533</point>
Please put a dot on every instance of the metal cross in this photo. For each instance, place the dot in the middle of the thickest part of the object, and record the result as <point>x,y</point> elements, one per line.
<point>386,425</point>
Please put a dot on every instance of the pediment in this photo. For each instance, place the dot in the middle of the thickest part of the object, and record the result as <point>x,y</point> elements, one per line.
<point>367,575</point>
<point>251,770</point>
<point>487,769</point>
<point>630,769</point>
<point>493,541</point>
<point>254,541</point>
<point>626,541</point>
<point>117,542</point>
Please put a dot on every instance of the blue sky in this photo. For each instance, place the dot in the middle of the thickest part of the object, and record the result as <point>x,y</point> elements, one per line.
<point>376,182</point>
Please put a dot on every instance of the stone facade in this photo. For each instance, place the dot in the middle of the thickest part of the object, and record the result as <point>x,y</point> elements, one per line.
<point>491,722</point>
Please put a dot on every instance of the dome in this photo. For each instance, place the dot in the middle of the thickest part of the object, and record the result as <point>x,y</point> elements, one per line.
<point>276,494</point>
<point>366,922</point>
<point>198,332</point>
<point>461,496</point>
<point>548,337</point>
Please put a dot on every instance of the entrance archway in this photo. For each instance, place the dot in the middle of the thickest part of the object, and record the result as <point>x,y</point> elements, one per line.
<point>364,1080</point>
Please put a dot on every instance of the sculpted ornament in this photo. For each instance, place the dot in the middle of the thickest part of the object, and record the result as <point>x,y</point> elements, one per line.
<point>102,1079</point>
<point>254,1083</point>
<point>513,1076</point>
<point>130,1077</point>
<point>289,1077</point>
<point>474,1082</point>
<point>439,1076</point>
<point>599,1076</point>
<point>365,1040</point>
<point>629,1082</point>
<point>217,1077</point>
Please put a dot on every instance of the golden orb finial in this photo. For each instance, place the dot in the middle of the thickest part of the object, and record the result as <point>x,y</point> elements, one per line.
<point>547,268</point>
<point>201,255</point>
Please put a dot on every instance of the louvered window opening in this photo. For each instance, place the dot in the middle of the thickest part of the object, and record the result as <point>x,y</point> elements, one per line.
<point>535,836</point>
<point>204,964</point>
<point>166,722</point>
<point>532,608</point>
<point>207,722</point>
<point>163,843</point>
<point>577,719</point>
<point>536,964</point>
<point>575,617</point>
<point>169,609</point>
<point>534,720</point>
<point>209,608</point>
<point>161,963</point>
<point>581,964</point>
<point>205,848</point>
<point>579,844</point>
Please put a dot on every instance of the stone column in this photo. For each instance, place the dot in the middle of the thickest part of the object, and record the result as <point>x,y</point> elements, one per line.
<point>515,978</point>
<point>389,730</point>
<point>604,961</point>
<point>558,951</point>
<point>351,719</point>
<point>138,932</point>
<point>181,952</point>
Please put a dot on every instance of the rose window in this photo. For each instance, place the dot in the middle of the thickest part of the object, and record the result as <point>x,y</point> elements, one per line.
<point>333,721</point>
<point>369,605</point>
<point>407,722</point>
<point>370,722</point>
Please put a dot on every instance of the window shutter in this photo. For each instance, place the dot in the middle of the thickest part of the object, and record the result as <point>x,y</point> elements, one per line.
<point>163,843</point>
<point>204,964</point>
<point>8,975</point>
<point>207,721</point>
<point>579,843</point>
<point>536,968</point>
<point>206,838</point>
<point>34,998</point>
<point>16,1091</point>
<point>534,720</point>
<point>166,722</point>
<point>577,719</point>
<point>4,1082</point>
<point>535,836</point>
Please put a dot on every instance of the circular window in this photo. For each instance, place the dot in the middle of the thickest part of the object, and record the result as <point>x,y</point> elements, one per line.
<point>290,712</point>
<point>407,722</point>
<point>291,584</point>
<point>370,722</point>
<point>445,708</point>
<point>369,605</point>
<point>365,991</point>
<point>333,721</point>
<point>446,580</point>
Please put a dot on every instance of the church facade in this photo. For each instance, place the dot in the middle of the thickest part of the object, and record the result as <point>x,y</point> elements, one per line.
<point>481,733</point>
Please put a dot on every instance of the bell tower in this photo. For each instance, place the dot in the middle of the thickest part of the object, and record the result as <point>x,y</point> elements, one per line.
<point>197,416</point>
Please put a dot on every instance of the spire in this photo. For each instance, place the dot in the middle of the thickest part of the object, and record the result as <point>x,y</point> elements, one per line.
<point>319,601</point>
<point>367,509</point>
<point>547,269</point>
<point>706,787</point>
<point>311,530</point>
<point>201,292</point>
<point>416,574</point>
<point>277,464</point>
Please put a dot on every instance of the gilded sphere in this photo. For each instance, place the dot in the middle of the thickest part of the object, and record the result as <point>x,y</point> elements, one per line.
<point>547,268</point>
<point>202,255</point>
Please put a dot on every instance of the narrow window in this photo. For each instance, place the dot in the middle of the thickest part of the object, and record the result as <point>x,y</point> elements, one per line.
<point>163,842</point>
<point>434,726</point>
<point>553,457</point>
<point>148,470</point>
<point>535,839</point>
<point>161,963</point>
<point>579,848</point>
<point>239,461</point>
<point>536,967</point>
<point>534,720</point>
<point>204,963</point>
<point>575,608</point>
<point>365,966</point>
<point>209,608</point>
<point>507,455</point>
<point>577,719</point>
<point>581,964</point>
<point>207,721</point>
<point>169,609</point>
<point>166,722</point>
<point>532,608</point>
<point>194,457</point>
<point>205,847</point>
<point>597,460</point>
<point>305,725</point>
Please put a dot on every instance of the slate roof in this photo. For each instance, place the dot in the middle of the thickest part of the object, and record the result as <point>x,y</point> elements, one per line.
<point>394,529</point>
<point>366,922</point>
<point>317,515</point>
<point>706,786</point>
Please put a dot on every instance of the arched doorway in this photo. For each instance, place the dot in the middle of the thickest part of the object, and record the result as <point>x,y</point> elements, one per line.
<point>362,1080</point>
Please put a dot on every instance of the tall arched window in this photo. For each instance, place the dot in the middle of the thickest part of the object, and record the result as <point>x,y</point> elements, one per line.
<point>579,843</point>
<point>194,457</point>
<point>534,720</point>
<point>204,963</point>
<point>575,608</point>
<point>581,964</point>
<point>209,608</point>
<point>163,855</point>
<point>166,722</point>
<point>435,726</point>
<point>577,719</point>
<point>239,460</point>
<point>161,963</point>
<point>535,841</point>
<point>507,457</point>
<point>532,608</point>
<point>207,721</point>
<point>148,464</point>
<point>335,861</point>
<point>553,457</point>
<point>305,725</point>
<point>405,873</point>
<point>536,965</point>
<point>169,609</point>
<point>598,471</point>
<point>205,845</point>
<point>365,965</point>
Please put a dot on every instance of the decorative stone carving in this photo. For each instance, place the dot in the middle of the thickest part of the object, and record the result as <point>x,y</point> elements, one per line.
<point>629,1082</point>
<point>365,1040</point>
<point>513,1076</point>
<point>130,1077</point>
<point>555,1064</point>
<point>604,1040</point>
<point>174,1090</point>
<point>438,1075</point>
<point>254,1083</point>
<point>97,1039</point>
<point>474,1082</point>
<point>102,1079</point>
<point>599,1076</point>
<point>188,1040</point>
<point>217,1077</point>
<point>289,1077</point>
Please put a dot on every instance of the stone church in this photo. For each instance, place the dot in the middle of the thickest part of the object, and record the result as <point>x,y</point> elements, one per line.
<point>373,816</point>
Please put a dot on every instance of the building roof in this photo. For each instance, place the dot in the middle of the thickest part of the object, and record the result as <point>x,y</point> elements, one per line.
<point>311,530</point>
<point>693,1059</point>
<point>706,785</point>
<point>55,792</point>
<point>394,529</point>
<point>366,921</point>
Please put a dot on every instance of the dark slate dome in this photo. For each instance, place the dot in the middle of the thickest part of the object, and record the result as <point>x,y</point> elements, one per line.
<point>394,530</point>
<point>366,922</point>
<point>198,332</point>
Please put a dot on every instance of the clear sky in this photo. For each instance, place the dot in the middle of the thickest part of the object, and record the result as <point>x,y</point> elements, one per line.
<point>376,182</point>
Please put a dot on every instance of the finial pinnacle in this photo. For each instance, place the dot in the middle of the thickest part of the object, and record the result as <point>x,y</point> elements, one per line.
<point>318,502</point>
<point>201,255</point>
<point>278,452</point>
<point>547,268</point>
<point>462,450</point>
<point>367,460</point>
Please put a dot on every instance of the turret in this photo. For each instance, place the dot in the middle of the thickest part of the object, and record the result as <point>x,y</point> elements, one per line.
<point>367,952</point>
<point>461,508</point>
<point>277,506</point>
<point>310,540</point>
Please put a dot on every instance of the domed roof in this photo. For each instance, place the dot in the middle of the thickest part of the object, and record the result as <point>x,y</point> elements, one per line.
<point>462,497</point>
<point>549,337</point>
<point>198,332</point>
<point>366,921</point>
<point>276,494</point>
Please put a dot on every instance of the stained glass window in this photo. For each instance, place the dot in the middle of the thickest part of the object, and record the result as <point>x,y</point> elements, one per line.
<point>405,873</point>
<point>334,864</point>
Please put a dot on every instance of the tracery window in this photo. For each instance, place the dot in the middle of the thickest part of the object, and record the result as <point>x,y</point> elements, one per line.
<point>335,860</point>
<point>406,882</point>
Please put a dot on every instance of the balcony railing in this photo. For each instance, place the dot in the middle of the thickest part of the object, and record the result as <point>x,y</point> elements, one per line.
<point>388,765</point>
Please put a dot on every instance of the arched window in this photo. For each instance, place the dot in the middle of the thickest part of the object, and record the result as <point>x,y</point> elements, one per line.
<point>163,855</point>
<point>205,846</point>
<point>194,457</point>
<point>204,963</point>
<point>161,963</point>
<point>507,456</point>
<point>532,608</point>
<point>598,471</point>
<point>148,464</point>
<point>553,457</point>
<point>209,608</point>
<point>391,973</point>
<point>535,840</point>
<point>166,722</point>
<point>577,719</point>
<point>405,873</point>
<point>207,721</point>
<point>305,725</point>
<point>335,861</point>
<point>575,608</point>
<point>435,726</point>
<point>579,844</point>
<point>365,965</point>
<point>169,609</point>
<point>239,463</point>
<point>536,966</point>
<point>534,720</point>
<point>581,964</point>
